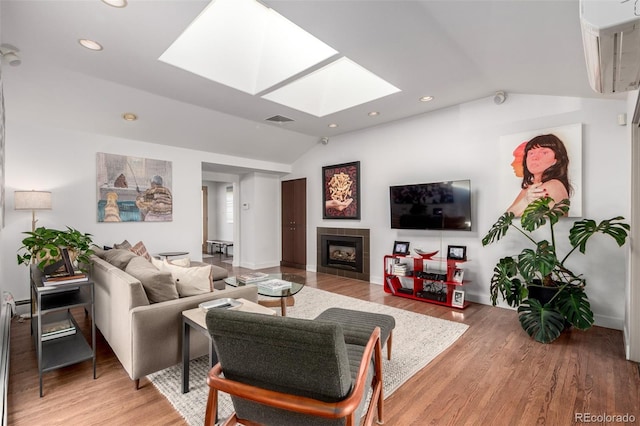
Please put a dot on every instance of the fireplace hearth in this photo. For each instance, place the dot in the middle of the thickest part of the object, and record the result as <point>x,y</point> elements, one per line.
<point>344,252</point>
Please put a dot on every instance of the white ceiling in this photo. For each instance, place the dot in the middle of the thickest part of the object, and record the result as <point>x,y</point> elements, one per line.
<point>456,51</point>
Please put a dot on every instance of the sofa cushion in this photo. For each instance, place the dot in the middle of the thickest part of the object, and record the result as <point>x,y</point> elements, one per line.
<point>158,285</point>
<point>190,280</point>
<point>119,258</point>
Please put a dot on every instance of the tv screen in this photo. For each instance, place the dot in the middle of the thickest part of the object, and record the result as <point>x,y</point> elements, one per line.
<point>439,205</point>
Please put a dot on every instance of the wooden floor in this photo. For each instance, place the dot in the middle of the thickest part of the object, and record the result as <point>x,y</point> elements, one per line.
<point>494,374</point>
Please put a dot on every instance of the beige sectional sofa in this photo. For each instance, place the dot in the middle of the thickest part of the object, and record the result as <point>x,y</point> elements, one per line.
<point>146,337</point>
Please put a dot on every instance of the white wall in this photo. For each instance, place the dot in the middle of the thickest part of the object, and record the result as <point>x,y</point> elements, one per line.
<point>64,162</point>
<point>260,193</point>
<point>462,142</point>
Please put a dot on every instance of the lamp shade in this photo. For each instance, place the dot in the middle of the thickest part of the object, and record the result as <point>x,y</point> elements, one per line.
<point>32,200</point>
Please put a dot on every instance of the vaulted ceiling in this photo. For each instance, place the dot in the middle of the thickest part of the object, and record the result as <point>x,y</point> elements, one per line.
<point>455,51</point>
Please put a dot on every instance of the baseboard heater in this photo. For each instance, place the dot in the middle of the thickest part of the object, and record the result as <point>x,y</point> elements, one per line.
<point>7,309</point>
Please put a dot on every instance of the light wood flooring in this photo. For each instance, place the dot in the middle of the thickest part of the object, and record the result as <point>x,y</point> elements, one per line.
<point>494,374</point>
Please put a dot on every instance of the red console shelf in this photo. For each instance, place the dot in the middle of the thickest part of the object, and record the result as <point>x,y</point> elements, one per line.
<point>432,280</point>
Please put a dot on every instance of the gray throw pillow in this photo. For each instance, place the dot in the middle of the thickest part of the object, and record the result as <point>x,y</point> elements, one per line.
<point>119,258</point>
<point>123,245</point>
<point>159,286</point>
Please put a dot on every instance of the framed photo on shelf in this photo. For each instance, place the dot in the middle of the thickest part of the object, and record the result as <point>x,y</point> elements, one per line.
<point>458,299</point>
<point>341,191</point>
<point>457,252</point>
<point>401,247</point>
<point>458,275</point>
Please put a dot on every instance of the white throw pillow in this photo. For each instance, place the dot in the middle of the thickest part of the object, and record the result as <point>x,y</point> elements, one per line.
<point>190,281</point>
<point>183,261</point>
<point>158,263</point>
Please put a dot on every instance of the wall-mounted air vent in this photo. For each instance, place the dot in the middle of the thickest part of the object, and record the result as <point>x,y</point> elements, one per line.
<point>278,119</point>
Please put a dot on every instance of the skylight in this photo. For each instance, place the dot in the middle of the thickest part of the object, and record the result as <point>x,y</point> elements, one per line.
<point>340,85</point>
<point>245,45</point>
<point>250,47</point>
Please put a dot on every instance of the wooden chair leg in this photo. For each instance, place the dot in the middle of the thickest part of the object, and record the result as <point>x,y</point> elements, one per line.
<point>136,383</point>
<point>389,342</point>
<point>212,408</point>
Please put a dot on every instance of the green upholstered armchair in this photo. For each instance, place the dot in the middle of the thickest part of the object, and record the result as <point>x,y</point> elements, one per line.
<point>288,371</point>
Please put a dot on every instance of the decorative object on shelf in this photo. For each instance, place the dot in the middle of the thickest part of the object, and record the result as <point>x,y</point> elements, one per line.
<point>458,299</point>
<point>548,295</point>
<point>457,252</point>
<point>32,200</point>
<point>341,191</point>
<point>401,247</point>
<point>425,254</point>
<point>43,246</point>
<point>458,275</point>
<point>119,201</point>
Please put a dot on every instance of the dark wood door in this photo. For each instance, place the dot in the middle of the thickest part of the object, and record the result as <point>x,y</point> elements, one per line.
<point>294,223</point>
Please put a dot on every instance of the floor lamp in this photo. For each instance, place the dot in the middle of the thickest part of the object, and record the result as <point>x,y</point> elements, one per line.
<point>32,200</point>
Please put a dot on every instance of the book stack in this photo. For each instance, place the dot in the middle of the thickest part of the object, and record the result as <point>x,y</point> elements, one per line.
<point>274,285</point>
<point>54,280</point>
<point>57,329</point>
<point>251,277</point>
<point>399,269</point>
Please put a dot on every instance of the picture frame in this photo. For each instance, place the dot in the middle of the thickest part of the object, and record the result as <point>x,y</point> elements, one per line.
<point>457,252</point>
<point>341,191</point>
<point>457,299</point>
<point>401,247</point>
<point>458,275</point>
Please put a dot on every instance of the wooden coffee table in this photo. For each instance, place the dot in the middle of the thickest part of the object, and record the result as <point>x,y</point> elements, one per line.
<point>196,319</point>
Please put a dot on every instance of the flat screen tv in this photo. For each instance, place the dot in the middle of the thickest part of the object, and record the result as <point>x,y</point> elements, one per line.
<point>439,205</point>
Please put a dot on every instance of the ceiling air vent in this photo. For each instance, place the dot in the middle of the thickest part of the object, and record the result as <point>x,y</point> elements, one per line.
<point>278,119</point>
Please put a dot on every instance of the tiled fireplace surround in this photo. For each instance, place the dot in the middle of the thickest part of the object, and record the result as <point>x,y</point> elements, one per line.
<point>348,232</point>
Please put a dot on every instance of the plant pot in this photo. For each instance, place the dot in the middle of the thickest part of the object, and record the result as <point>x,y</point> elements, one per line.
<point>542,294</point>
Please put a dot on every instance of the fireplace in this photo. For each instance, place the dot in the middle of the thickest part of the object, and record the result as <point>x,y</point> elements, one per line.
<point>343,252</point>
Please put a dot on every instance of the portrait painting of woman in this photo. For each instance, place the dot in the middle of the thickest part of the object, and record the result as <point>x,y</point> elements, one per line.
<point>544,165</point>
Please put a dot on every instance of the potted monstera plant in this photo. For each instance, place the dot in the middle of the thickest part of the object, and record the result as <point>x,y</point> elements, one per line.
<point>42,246</point>
<point>548,295</point>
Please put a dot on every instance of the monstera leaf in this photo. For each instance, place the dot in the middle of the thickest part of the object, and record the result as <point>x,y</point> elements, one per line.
<point>542,261</point>
<point>499,229</point>
<point>538,212</point>
<point>543,323</point>
<point>582,230</point>
<point>574,305</point>
<point>506,283</point>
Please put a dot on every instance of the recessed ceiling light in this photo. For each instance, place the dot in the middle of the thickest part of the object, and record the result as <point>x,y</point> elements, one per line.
<point>373,113</point>
<point>129,116</point>
<point>426,98</point>
<point>116,3</point>
<point>333,125</point>
<point>90,44</point>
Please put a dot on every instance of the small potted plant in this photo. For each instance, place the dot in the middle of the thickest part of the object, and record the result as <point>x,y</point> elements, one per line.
<point>548,295</point>
<point>42,246</point>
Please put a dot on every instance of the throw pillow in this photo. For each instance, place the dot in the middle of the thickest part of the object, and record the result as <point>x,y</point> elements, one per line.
<point>158,285</point>
<point>123,245</point>
<point>185,262</point>
<point>158,263</point>
<point>190,281</point>
<point>119,258</point>
<point>141,250</point>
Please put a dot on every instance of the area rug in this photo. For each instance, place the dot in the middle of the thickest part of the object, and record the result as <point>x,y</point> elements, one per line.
<point>417,339</point>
